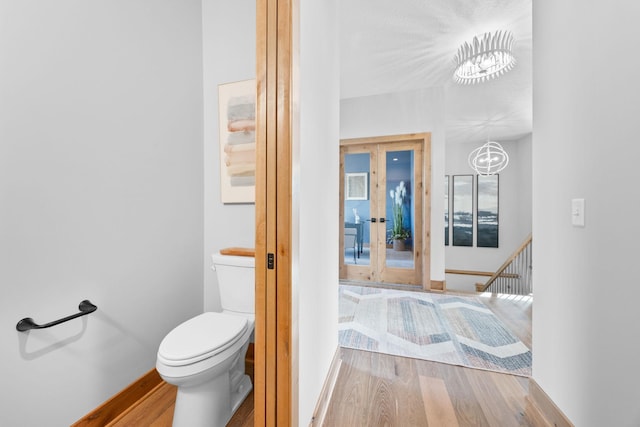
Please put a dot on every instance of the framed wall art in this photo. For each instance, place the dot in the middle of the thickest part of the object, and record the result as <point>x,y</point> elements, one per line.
<point>446,210</point>
<point>462,210</point>
<point>356,186</point>
<point>487,216</point>
<point>237,120</point>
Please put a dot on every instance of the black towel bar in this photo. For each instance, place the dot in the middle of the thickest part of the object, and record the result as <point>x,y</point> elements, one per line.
<point>27,323</point>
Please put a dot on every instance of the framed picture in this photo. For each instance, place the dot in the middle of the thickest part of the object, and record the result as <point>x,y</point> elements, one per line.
<point>237,120</point>
<point>356,186</point>
<point>446,210</point>
<point>463,210</point>
<point>488,225</point>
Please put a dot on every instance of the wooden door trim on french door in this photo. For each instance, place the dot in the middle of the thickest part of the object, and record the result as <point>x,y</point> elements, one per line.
<point>356,272</point>
<point>422,187</point>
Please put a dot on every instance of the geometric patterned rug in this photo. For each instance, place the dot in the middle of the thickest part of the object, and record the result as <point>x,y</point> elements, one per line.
<point>453,329</point>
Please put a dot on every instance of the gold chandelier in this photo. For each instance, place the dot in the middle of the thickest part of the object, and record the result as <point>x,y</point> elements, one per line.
<point>485,58</point>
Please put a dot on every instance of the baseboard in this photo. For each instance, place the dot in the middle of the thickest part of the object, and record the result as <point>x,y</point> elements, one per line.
<point>438,285</point>
<point>540,410</point>
<point>327,390</point>
<point>120,402</point>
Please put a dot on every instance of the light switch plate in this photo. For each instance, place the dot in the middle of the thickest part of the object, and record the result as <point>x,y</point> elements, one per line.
<point>577,212</point>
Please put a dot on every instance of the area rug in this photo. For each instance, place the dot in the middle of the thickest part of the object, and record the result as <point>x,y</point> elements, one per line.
<point>453,329</point>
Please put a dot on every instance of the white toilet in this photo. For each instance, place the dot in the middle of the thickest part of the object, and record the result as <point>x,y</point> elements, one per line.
<point>204,356</point>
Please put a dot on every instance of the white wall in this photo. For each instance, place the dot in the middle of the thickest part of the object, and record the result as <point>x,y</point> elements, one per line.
<point>402,113</point>
<point>315,201</point>
<point>585,336</point>
<point>100,195</point>
<point>514,210</point>
<point>229,55</point>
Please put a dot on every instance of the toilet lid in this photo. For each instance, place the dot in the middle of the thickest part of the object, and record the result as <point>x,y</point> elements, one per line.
<point>201,337</point>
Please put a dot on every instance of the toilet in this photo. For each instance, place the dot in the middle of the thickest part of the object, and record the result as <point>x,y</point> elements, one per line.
<point>205,356</point>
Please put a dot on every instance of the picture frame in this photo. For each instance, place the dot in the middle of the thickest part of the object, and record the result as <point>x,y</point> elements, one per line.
<point>237,129</point>
<point>462,225</point>
<point>446,210</point>
<point>356,186</point>
<point>488,214</point>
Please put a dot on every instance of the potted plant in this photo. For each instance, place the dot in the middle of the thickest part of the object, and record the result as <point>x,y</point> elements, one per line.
<point>398,232</point>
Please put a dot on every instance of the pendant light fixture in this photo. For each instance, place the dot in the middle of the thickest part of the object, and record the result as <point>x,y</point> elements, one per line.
<point>488,159</point>
<point>485,58</point>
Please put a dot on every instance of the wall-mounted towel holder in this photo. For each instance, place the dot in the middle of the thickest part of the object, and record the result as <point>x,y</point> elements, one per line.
<point>28,323</point>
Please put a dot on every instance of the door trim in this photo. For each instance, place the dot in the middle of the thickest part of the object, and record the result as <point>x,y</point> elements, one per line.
<point>425,140</point>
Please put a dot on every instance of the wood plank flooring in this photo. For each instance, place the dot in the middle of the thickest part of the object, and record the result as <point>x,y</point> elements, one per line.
<point>514,311</point>
<point>376,389</point>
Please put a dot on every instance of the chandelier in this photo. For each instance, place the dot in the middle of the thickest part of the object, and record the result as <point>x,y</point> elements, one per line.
<point>485,58</point>
<point>488,159</point>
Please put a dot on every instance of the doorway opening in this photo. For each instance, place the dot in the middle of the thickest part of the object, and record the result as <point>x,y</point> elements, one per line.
<point>384,209</point>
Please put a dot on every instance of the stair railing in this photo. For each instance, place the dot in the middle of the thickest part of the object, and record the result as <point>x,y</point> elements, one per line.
<point>514,276</point>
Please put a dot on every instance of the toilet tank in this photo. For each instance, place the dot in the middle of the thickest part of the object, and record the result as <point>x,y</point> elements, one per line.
<point>236,281</point>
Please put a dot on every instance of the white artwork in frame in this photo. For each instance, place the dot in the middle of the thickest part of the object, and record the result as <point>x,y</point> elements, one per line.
<point>237,121</point>
<point>356,186</point>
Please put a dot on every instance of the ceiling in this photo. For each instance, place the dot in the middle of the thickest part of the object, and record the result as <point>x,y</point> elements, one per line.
<point>401,45</point>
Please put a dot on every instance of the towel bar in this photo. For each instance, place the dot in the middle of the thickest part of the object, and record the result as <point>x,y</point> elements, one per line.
<point>28,323</point>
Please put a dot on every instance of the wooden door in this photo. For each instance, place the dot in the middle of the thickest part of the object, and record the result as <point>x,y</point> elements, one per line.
<point>275,372</point>
<point>383,198</point>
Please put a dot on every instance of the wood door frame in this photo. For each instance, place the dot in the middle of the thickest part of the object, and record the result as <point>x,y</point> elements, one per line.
<point>361,273</point>
<point>274,370</point>
<point>425,140</point>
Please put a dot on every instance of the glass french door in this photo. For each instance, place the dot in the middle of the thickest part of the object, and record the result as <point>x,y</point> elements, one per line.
<point>381,212</point>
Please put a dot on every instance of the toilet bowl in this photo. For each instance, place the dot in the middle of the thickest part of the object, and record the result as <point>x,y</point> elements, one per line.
<point>205,356</point>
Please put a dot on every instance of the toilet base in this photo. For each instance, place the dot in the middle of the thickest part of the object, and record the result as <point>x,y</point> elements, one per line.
<point>206,404</point>
<point>209,404</point>
<point>241,394</point>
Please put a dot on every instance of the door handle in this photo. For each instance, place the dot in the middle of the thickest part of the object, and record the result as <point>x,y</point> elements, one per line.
<point>383,219</point>
<point>373,220</point>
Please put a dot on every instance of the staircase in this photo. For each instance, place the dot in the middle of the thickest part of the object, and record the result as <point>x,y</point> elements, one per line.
<point>514,276</point>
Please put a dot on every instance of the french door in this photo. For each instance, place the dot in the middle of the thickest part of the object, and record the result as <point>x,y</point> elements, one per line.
<point>381,210</point>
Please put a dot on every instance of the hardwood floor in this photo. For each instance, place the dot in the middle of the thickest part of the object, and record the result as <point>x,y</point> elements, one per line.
<point>376,389</point>
<point>514,311</point>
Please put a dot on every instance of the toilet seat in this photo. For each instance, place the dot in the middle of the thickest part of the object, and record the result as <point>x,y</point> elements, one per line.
<point>200,338</point>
